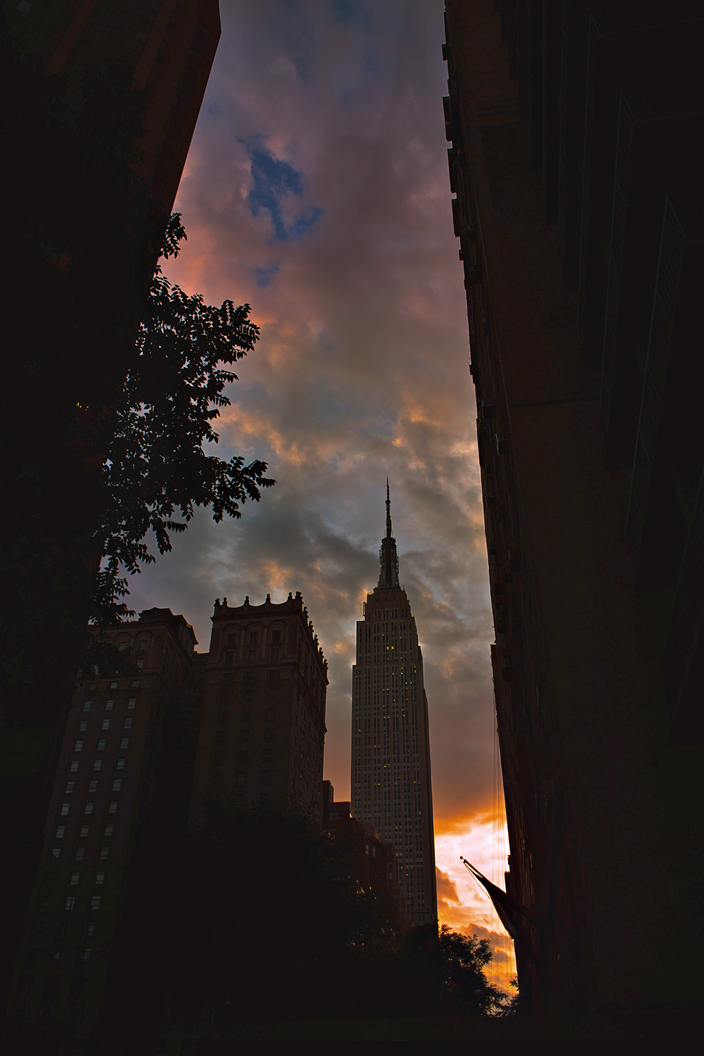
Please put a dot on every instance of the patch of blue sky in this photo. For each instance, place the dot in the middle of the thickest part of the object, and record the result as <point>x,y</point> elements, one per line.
<point>383,425</point>
<point>354,12</point>
<point>265,276</point>
<point>274,180</point>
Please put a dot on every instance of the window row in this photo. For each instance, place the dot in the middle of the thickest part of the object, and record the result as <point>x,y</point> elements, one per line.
<point>80,854</point>
<point>109,830</point>
<point>88,808</point>
<point>70,904</point>
<point>108,706</point>
<point>93,785</point>
<point>134,684</point>
<point>98,763</point>
<point>105,725</point>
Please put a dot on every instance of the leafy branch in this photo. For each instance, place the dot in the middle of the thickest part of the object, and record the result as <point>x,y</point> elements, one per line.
<point>156,471</point>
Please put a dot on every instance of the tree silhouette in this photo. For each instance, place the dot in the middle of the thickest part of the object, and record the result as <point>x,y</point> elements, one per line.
<point>156,468</point>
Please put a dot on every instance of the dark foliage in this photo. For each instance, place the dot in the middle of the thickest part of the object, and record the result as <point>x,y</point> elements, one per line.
<point>261,921</point>
<point>157,469</point>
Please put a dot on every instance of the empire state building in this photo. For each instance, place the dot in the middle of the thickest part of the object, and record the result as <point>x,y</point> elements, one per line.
<point>390,744</point>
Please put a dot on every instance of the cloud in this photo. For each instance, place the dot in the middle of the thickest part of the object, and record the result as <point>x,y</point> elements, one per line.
<point>447,889</point>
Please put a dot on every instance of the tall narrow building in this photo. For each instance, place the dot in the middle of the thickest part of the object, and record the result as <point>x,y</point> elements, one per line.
<point>390,743</point>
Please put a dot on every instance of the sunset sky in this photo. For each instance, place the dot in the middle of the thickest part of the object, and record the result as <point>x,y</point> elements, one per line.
<point>317,190</point>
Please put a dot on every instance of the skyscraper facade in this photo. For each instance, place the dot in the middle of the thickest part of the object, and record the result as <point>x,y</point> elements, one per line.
<point>391,785</point>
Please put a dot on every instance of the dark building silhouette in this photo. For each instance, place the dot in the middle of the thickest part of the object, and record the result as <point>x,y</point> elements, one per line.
<point>576,131</point>
<point>241,726</point>
<point>169,46</point>
<point>263,730</point>
<point>391,784</point>
<point>118,809</point>
<point>371,862</point>
<point>86,223</point>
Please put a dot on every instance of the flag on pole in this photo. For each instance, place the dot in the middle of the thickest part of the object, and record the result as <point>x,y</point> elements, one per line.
<point>508,910</point>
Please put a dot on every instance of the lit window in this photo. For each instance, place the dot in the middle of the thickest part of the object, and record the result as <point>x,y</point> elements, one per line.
<point>70,903</point>
<point>60,832</point>
<point>87,705</point>
<point>74,878</point>
<point>78,747</point>
<point>140,664</point>
<point>100,878</point>
<point>132,703</point>
<point>105,724</point>
<point>86,954</point>
<point>101,744</point>
<point>125,743</point>
<point>88,809</point>
<point>70,785</point>
<point>112,809</point>
<point>128,723</point>
<point>135,685</point>
<point>83,725</point>
<point>113,685</point>
<point>74,766</point>
<point>117,784</point>
<point>64,809</point>
<point>120,764</point>
<point>56,852</point>
<point>93,786</point>
<point>84,831</point>
<point>104,851</point>
<point>109,829</point>
<point>109,705</point>
<point>98,764</point>
<point>80,851</point>
<point>95,902</point>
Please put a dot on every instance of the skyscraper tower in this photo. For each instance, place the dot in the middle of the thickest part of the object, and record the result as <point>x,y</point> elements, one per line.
<point>390,744</point>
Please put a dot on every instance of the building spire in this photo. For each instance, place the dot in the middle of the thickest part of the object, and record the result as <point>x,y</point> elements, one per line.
<point>388,558</point>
